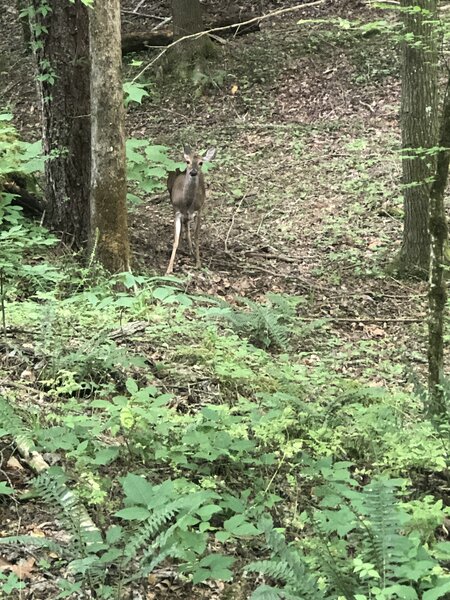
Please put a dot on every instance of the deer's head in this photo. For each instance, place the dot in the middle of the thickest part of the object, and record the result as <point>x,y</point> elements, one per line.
<point>194,162</point>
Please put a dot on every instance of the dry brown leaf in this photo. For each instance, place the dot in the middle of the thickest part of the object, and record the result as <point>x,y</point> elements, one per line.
<point>375,331</point>
<point>374,243</point>
<point>37,532</point>
<point>13,463</point>
<point>23,570</point>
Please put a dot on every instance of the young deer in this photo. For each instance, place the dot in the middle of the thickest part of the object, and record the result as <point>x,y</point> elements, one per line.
<point>187,193</point>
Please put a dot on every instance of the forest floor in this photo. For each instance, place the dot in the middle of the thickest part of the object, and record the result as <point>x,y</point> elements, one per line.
<point>303,199</point>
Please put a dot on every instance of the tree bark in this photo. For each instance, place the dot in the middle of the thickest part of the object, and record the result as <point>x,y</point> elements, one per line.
<point>23,5</point>
<point>187,19</point>
<point>419,121</point>
<point>109,229</point>
<point>62,52</point>
<point>437,292</point>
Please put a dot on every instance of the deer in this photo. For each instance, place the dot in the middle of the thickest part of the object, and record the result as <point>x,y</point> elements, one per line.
<point>187,194</point>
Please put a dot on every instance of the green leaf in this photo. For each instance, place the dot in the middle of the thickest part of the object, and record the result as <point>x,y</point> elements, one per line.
<point>440,589</point>
<point>5,489</point>
<point>106,455</point>
<point>206,512</point>
<point>134,92</point>
<point>222,536</point>
<point>131,386</point>
<point>214,566</point>
<point>137,489</point>
<point>133,513</point>
<point>246,529</point>
<point>114,534</point>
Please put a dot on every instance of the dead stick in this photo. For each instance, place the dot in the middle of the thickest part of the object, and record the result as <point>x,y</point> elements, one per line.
<point>2,300</point>
<point>374,320</point>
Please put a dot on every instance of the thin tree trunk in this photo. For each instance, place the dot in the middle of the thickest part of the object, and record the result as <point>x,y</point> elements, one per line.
<point>62,52</point>
<point>109,230</point>
<point>437,293</point>
<point>419,120</point>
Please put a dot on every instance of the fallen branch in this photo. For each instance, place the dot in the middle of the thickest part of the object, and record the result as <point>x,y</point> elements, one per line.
<point>163,36</point>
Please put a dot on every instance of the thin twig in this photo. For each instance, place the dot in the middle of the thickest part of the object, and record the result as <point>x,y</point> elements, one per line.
<point>200,34</point>
<point>273,255</point>
<point>265,217</point>
<point>138,5</point>
<point>167,20</point>
<point>145,15</point>
<point>367,320</point>
<point>288,276</point>
<point>2,300</point>
<point>235,212</point>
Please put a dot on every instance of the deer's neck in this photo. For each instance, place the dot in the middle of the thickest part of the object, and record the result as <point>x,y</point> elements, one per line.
<point>191,187</point>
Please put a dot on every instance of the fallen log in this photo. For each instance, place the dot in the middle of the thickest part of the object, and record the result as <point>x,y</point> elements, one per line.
<point>31,205</point>
<point>142,40</point>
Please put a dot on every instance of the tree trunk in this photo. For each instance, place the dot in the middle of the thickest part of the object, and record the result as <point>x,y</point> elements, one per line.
<point>187,19</point>
<point>62,51</point>
<point>437,292</point>
<point>109,230</point>
<point>22,7</point>
<point>419,121</point>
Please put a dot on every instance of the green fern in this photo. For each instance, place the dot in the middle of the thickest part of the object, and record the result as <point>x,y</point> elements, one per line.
<point>34,541</point>
<point>383,545</point>
<point>145,536</point>
<point>86,539</point>
<point>286,566</point>
<point>12,424</point>
<point>264,325</point>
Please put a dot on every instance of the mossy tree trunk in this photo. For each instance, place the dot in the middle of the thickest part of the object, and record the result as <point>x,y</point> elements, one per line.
<point>437,293</point>
<point>109,229</point>
<point>61,45</point>
<point>419,122</point>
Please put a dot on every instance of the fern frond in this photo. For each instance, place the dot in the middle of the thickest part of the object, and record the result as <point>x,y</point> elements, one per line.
<point>266,592</point>
<point>31,540</point>
<point>86,538</point>
<point>383,543</point>
<point>13,425</point>
<point>147,530</point>
<point>286,565</point>
<point>276,569</point>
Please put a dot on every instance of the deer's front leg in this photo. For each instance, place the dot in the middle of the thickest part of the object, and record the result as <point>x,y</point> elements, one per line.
<point>197,232</point>
<point>188,234</point>
<point>176,241</point>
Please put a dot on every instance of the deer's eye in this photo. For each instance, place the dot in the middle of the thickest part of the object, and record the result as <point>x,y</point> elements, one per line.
<point>200,162</point>
<point>188,162</point>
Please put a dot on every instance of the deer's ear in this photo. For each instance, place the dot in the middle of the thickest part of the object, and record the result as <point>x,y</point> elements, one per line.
<point>210,154</point>
<point>187,153</point>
